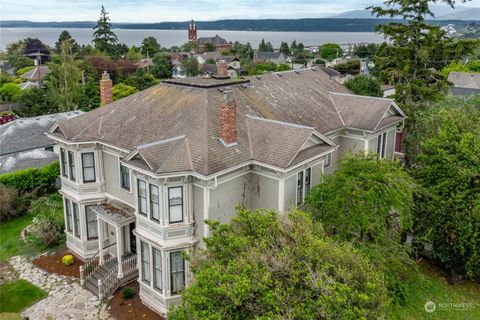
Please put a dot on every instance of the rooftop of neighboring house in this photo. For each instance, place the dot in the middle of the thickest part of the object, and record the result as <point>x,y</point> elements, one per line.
<point>468,80</point>
<point>28,84</point>
<point>145,62</point>
<point>264,55</point>
<point>39,72</point>
<point>29,159</point>
<point>216,40</point>
<point>25,134</point>
<point>174,126</point>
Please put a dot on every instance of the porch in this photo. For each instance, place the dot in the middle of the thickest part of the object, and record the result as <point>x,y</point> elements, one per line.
<point>115,263</point>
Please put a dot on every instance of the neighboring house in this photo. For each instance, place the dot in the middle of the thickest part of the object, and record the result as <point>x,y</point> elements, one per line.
<point>275,57</point>
<point>387,90</point>
<point>464,83</point>
<point>7,68</point>
<point>24,142</point>
<point>28,85</point>
<point>140,175</point>
<point>37,74</point>
<point>145,62</point>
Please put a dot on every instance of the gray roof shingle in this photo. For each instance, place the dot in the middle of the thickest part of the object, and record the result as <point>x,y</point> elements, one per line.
<point>468,80</point>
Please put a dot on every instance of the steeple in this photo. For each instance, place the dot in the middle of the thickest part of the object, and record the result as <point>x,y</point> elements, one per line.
<point>192,32</point>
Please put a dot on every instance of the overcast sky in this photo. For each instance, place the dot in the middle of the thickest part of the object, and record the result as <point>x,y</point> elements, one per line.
<point>176,10</point>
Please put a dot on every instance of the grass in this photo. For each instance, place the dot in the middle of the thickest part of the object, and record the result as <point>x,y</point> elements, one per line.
<point>431,285</point>
<point>10,242</point>
<point>18,295</point>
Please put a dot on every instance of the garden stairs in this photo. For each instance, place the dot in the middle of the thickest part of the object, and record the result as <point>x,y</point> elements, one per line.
<point>103,280</point>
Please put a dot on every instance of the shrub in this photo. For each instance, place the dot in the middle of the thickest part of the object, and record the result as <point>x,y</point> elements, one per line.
<point>122,90</point>
<point>11,204</point>
<point>128,293</point>
<point>364,86</point>
<point>24,70</point>
<point>68,259</point>
<point>350,67</point>
<point>9,91</point>
<point>47,226</point>
<point>40,180</point>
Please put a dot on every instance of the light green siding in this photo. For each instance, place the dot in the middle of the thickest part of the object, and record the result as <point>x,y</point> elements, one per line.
<point>111,169</point>
<point>372,145</point>
<point>316,174</point>
<point>290,192</point>
<point>198,213</point>
<point>226,196</point>
<point>264,192</point>
<point>390,144</point>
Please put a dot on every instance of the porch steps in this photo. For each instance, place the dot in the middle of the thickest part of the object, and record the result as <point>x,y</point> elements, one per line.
<point>91,284</point>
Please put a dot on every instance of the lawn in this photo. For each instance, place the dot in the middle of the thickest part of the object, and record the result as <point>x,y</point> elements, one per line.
<point>431,285</point>
<point>10,242</point>
<point>18,295</point>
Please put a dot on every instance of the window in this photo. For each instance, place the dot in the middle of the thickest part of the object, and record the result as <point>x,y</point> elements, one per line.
<point>71,164</point>
<point>145,252</point>
<point>92,228</point>
<point>88,167</point>
<point>76,220</point>
<point>177,271</point>
<point>49,148</point>
<point>142,197</point>
<point>300,188</point>
<point>381,145</point>
<point>68,211</point>
<point>124,177</point>
<point>63,160</point>
<point>157,269</point>
<point>175,204</point>
<point>308,174</point>
<point>327,161</point>
<point>154,203</point>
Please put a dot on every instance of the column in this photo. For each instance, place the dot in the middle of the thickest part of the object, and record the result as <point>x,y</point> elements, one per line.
<point>119,251</point>
<point>100,238</point>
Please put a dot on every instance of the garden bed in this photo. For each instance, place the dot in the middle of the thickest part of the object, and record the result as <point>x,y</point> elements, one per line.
<point>121,309</point>
<point>53,263</point>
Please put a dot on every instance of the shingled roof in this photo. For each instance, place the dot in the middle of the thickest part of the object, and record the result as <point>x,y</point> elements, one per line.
<point>173,126</point>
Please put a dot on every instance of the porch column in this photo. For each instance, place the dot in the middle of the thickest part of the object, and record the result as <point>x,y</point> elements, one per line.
<point>100,239</point>
<point>119,235</point>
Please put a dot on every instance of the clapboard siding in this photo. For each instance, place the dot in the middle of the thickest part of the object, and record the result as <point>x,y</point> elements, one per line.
<point>227,196</point>
<point>264,192</point>
<point>316,174</point>
<point>290,192</point>
<point>112,179</point>
<point>198,213</point>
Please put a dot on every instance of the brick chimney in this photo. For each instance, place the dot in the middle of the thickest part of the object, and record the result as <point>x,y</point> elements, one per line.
<point>228,119</point>
<point>106,95</point>
<point>222,69</point>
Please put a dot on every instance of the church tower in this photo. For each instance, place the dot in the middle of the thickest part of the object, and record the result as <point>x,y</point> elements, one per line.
<point>192,32</point>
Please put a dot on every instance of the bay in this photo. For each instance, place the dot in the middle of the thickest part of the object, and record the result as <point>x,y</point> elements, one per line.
<point>168,38</point>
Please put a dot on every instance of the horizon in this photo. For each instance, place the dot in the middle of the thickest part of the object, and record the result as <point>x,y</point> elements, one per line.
<point>205,10</point>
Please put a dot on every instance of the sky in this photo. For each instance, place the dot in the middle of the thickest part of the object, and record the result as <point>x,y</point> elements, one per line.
<point>177,10</point>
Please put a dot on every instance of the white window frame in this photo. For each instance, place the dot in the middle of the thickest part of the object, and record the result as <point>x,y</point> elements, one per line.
<point>327,162</point>
<point>182,205</point>
<point>120,165</point>
<point>83,167</point>
<point>149,262</point>
<point>64,162</point>
<point>150,206</point>
<point>139,206</point>
<point>86,222</point>
<point>154,268</point>
<point>75,225</point>
<point>171,273</point>
<point>72,174</point>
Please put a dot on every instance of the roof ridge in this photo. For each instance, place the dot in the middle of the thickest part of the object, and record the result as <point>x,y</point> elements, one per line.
<point>336,109</point>
<point>359,96</point>
<point>280,122</point>
<point>189,154</point>
<point>173,150</point>
<point>161,141</point>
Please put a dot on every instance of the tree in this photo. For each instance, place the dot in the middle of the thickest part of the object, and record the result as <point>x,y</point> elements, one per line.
<point>122,90</point>
<point>63,82</point>
<point>150,46</point>
<point>65,35</point>
<point>35,102</point>
<point>162,66</point>
<point>330,51</point>
<point>262,47</point>
<point>349,67</point>
<point>190,66</point>
<point>33,46</point>
<point>416,50</point>
<point>209,47</point>
<point>364,85</point>
<point>265,265</point>
<point>134,54</point>
<point>365,50</point>
<point>141,80</point>
<point>284,48</point>
<point>104,38</point>
<point>444,151</point>
<point>9,91</point>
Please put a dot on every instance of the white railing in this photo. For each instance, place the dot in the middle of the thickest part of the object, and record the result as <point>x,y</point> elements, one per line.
<point>89,267</point>
<point>108,283</point>
<point>129,266</point>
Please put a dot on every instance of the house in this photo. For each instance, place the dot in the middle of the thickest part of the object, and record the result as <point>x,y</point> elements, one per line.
<point>7,68</point>
<point>464,83</point>
<point>28,85</point>
<point>217,42</point>
<point>387,90</point>
<point>276,57</point>
<point>24,143</point>
<point>141,174</point>
<point>37,74</point>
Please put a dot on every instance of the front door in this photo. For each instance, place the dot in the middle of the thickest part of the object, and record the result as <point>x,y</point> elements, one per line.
<point>133,239</point>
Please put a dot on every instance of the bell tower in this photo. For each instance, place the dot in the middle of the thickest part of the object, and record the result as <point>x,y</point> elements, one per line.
<point>192,32</point>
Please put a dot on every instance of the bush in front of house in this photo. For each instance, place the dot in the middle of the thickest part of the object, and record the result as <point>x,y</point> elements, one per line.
<point>11,204</point>
<point>128,293</point>
<point>38,180</point>
<point>47,226</point>
<point>68,259</point>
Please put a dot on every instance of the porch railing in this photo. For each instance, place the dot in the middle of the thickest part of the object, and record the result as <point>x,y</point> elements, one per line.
<point>89,267</point>
<point>111,281</point>
<point>129,266</point>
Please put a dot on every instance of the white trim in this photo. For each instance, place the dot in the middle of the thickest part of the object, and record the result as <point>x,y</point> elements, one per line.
<point>281,195</point>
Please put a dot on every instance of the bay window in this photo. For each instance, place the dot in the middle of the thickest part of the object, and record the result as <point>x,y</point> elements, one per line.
<point>63,161</point>
<point>145,259</point>
<point>88,167</point>
<point>76,220</point>
<point>71,165</point>
<point>154,203</point>
<point>142,197</point>
<point>157,269</point>
<point>177,271</point>
<point>91,218</point>
<point>175,204</point>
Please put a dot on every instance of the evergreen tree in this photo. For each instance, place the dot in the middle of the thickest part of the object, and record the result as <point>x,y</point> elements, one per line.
<point>269,47</point>
<point>65,35</point>
<point>284,48</point>
<point>151,46</point>
<point>262,47</point>
<point>104,38</point>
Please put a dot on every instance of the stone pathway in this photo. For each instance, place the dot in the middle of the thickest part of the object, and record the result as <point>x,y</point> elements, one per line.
<point>66,298</point>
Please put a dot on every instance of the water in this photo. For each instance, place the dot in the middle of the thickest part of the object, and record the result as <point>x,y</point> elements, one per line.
<point>168,38</point>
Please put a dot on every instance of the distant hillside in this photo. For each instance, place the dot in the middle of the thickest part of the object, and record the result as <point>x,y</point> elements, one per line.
<point>469,14</point>
<point>314,24</point>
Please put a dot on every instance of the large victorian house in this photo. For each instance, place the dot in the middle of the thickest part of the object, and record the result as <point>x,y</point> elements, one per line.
<point>141,175</point>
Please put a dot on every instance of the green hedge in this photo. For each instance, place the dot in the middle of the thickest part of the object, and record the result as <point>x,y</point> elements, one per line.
<point>40,180</point>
